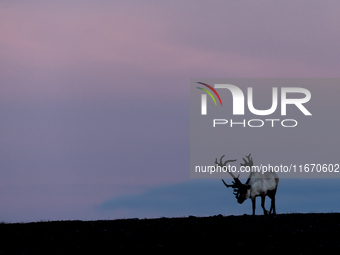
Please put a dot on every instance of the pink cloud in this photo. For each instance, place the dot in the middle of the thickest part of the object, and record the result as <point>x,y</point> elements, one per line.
<point>81,50</point>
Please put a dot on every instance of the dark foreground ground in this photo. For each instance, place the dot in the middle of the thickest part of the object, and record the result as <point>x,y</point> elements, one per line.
<point>284,233</point>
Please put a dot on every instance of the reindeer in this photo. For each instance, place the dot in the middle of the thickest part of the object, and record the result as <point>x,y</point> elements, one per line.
<point>258,184</point>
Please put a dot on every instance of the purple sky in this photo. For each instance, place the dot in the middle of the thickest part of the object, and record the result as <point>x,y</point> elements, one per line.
<point>94,96</point>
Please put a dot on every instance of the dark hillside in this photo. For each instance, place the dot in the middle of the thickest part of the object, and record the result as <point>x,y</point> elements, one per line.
<point>285,233</point>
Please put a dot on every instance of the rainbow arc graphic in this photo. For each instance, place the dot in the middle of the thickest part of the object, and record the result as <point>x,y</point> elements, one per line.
<point>204,97</point>
<point>209,93</point>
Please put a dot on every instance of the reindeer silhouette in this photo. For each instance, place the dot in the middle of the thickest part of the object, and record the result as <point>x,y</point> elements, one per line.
<point>258,184</point>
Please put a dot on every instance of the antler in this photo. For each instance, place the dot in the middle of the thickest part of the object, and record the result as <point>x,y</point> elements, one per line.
<point>236,181</point>
<point>224,164</point>
<point>249,163</point>
<point>234,186</point>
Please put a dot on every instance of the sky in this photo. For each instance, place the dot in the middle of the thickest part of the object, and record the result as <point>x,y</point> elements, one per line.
<point>95,102</point>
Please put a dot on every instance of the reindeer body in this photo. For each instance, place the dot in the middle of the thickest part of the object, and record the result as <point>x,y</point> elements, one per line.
<point>263,185</point>
<point>258,184</point>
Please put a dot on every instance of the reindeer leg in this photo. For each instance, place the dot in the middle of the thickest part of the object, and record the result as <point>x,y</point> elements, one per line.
<point>253,201</point>
<point>263,197</point>
<point>271,194</point>
<point>272,207</point>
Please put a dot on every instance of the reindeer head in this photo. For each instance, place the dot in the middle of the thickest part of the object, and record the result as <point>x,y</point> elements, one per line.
<point>241,191</point>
